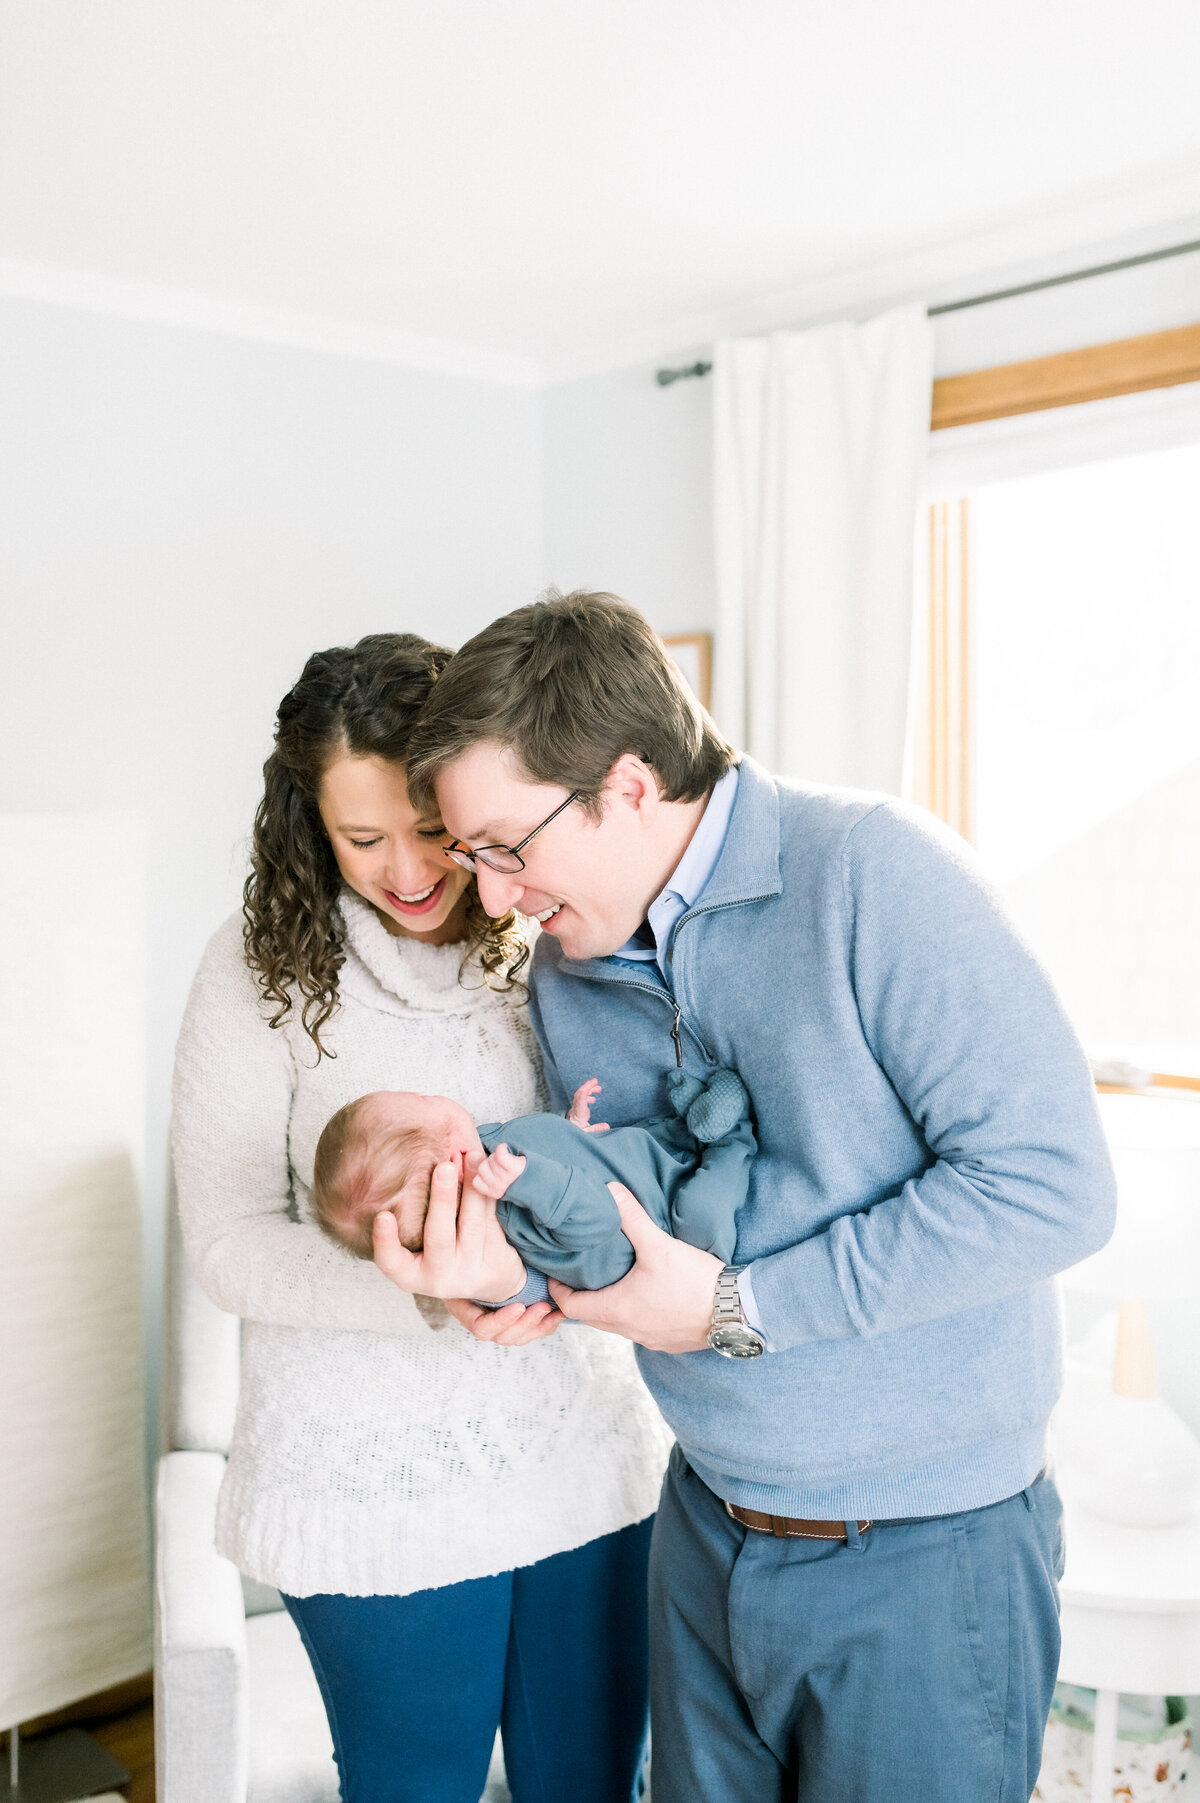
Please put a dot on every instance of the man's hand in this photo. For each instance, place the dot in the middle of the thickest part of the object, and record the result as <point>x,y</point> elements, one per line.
<point>465,1252</point>
<point>665,1302</point>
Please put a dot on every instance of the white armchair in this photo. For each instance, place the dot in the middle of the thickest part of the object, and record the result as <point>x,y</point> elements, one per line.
<point>238,1717</point>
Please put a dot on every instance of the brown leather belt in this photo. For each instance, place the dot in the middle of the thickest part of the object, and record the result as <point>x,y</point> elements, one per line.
<point>787,1527</point>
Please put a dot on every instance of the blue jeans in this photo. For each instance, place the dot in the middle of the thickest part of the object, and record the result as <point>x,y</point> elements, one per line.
<point>554,1654</point>
<point>912,1664</point>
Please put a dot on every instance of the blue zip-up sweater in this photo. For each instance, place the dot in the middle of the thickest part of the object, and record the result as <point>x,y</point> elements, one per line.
<point>930,1154</point>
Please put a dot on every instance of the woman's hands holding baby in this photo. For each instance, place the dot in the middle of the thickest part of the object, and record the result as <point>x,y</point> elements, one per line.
<point>465,1253</point>
<point>665,1302</point>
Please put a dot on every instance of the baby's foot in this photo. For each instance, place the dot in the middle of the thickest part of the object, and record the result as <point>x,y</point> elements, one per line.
<point>580,1111</point>
<point>497,1171</point>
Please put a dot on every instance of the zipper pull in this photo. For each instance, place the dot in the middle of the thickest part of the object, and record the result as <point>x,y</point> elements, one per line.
<point>675,1036</point>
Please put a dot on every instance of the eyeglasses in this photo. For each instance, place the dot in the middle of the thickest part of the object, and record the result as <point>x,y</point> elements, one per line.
<point>506,859</point>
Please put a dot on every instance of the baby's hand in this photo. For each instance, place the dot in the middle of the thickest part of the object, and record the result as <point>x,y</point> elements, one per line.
<point>493,1174</point>
<point>580,1111</point>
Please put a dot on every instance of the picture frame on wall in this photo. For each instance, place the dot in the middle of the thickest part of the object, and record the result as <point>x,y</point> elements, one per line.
<point>691,653</point>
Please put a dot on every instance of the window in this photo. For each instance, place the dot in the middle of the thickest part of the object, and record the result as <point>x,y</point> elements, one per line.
<point>1057,706</point>
<point>1087,738</point>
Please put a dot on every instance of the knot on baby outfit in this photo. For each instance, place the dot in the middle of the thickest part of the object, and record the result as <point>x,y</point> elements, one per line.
<point>712,1106</point>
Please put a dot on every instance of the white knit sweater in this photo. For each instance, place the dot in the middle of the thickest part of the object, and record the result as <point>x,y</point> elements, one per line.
<point>374,1453</point>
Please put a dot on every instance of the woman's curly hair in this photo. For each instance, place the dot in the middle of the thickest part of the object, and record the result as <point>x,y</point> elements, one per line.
<point>362,700</point>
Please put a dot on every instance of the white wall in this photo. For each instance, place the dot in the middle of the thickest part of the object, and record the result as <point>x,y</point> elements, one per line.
<point>187,517</point>
<point>627,474</point>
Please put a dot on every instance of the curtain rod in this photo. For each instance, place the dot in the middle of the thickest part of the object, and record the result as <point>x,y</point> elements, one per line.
<point>665,377</point>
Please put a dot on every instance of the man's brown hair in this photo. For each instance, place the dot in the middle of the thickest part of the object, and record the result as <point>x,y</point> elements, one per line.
<point>569,684</point>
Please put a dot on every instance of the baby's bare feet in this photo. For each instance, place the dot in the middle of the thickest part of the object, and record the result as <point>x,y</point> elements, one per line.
<point>498,1170</point>
<point>580,1111</point>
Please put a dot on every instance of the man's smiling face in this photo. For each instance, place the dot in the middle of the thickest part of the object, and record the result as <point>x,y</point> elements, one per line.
<point>589,881</point>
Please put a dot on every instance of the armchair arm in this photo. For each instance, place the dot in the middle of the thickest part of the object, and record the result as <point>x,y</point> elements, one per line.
<point>201,1713</point>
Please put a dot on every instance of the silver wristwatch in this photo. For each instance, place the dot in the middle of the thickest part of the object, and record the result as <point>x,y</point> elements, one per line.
<point>730,1334</point>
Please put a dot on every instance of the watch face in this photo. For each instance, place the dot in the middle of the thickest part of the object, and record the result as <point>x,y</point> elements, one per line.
<point>735,1341</point>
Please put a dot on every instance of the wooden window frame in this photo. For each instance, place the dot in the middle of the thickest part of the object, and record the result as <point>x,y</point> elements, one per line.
<point>943,676</point>
<point>1070,379</point>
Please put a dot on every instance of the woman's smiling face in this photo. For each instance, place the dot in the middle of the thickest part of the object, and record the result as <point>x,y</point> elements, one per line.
<point>390,856</point>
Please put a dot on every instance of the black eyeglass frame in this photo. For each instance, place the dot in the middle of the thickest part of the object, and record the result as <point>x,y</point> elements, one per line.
<point>465,858</point>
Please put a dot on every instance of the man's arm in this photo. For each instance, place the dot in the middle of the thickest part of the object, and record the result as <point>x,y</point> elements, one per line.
<point>964,1022</point>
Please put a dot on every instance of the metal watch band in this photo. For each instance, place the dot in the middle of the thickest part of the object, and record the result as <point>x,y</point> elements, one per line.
<point>731,1334</point>
<point>727,1301</point>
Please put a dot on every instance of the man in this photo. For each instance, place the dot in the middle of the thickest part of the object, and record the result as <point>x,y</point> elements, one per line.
<point>853,1570</point>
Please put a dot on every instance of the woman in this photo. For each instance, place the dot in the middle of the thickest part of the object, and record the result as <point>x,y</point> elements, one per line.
<point>459,1529</point>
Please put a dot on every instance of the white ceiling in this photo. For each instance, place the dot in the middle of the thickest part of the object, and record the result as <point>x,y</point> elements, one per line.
<point>567,183</point>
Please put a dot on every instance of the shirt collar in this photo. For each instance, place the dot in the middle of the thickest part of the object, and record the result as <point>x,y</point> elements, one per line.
<point>691,874</point>
<point>687,881</point>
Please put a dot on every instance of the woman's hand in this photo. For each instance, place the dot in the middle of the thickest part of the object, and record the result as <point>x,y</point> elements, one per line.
<point>515,1325</point>
<point>465,1252</point>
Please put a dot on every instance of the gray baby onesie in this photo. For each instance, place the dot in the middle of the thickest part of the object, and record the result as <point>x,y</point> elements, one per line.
<point>690,1172</point>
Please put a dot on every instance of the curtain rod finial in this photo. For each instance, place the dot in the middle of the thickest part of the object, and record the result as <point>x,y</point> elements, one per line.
<point>664,377</point>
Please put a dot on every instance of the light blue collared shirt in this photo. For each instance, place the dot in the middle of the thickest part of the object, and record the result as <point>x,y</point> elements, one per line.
<point>687,881</point>
<point>684,888</point>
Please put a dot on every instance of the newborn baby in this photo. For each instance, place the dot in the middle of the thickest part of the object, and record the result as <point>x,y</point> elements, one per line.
<point>549,1173</point>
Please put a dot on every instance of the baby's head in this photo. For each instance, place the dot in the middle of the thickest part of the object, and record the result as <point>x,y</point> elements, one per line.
<point>379,1152</point>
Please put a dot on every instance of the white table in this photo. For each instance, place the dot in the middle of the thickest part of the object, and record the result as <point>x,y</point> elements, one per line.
<point>1130,1619</point>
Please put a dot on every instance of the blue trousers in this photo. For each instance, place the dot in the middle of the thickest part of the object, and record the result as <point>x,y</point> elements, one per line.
<point>554,1654</point>
<point>912,1664</point>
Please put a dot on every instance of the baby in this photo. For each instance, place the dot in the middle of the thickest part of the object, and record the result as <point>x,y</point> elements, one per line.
<point>690,1170</point>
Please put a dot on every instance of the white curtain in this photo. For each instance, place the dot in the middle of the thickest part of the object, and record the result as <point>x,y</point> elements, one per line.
<point>820,446</point>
